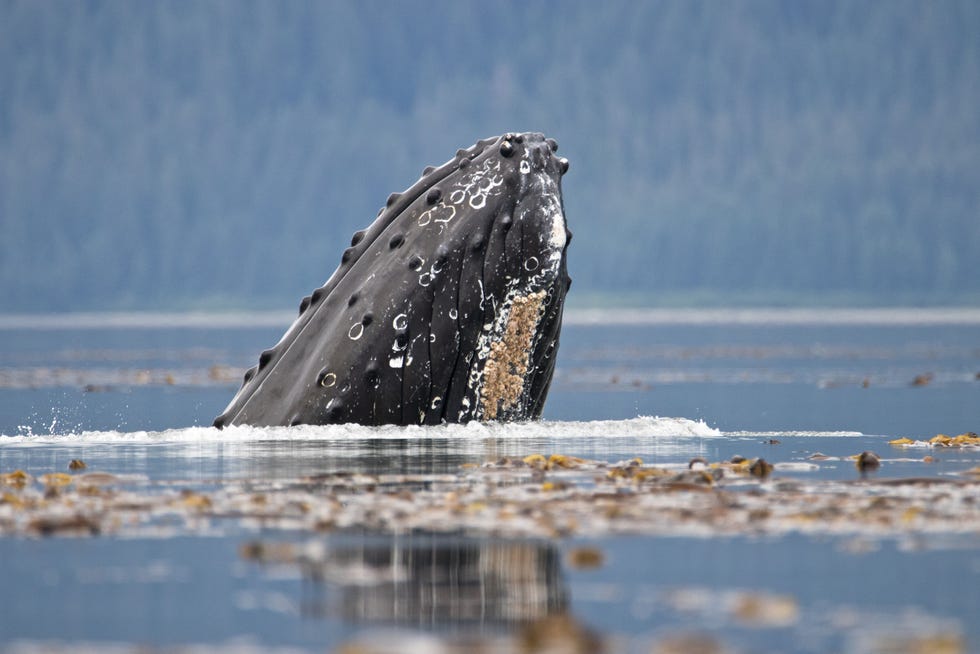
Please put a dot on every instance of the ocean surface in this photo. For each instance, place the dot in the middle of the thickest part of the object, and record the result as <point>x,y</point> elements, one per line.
<point>646,524</point>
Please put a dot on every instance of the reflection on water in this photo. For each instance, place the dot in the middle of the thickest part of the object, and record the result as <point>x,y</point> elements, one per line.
<point>423,579</point>
<point>333,593</point>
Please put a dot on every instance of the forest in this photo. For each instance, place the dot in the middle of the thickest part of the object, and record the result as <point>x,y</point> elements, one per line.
<point>219,154</point>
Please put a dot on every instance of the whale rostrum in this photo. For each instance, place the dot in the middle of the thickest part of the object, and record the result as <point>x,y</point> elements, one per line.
<point>447,308</point>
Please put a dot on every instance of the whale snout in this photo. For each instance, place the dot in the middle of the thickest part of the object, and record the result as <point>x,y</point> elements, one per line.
<point>447,308</point>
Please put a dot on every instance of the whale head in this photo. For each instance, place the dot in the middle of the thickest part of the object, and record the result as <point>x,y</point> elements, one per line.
<point>447,308</point>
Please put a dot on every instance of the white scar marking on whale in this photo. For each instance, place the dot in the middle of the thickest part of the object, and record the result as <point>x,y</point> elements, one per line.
<point>480,185</point>
<point>441,213</point>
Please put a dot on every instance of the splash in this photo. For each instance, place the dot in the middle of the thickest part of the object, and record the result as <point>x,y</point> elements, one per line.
<point>640,427</point>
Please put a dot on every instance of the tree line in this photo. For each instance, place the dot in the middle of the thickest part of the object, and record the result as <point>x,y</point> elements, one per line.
<point>170,155</point>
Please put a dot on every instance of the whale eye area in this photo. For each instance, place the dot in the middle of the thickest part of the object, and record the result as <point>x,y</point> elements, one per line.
<point>506,149</point>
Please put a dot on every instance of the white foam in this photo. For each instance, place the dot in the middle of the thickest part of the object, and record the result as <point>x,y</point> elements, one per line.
<point>640,427</point>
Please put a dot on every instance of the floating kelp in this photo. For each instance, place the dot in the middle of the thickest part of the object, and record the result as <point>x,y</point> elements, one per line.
<point>538,495</point>
<point>969,439</point>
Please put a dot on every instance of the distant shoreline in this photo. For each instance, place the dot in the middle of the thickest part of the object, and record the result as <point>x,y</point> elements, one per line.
<point>625,316</point>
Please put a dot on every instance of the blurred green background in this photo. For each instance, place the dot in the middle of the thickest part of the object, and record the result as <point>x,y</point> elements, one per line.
<point>178,155</point>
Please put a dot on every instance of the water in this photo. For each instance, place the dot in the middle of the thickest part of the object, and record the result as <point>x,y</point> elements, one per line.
<point>311,538</point>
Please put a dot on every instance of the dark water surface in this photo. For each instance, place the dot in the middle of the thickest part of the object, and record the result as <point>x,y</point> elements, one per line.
<point>190,566</point>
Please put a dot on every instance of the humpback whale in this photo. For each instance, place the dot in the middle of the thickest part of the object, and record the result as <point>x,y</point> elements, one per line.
<point>447,308</point>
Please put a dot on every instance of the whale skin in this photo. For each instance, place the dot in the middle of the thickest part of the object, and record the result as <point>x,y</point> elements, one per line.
<point>447,308</point>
